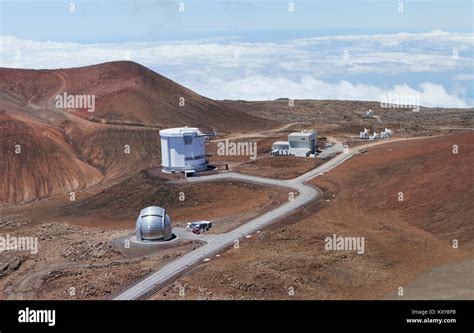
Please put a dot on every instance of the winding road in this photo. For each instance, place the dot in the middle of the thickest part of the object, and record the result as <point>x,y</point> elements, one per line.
<point>307,194</point>
<point>184,264</point>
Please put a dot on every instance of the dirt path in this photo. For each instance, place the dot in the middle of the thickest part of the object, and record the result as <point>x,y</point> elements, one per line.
<point>377,117</point>
<point>63,84</point>
<point>258,134</point>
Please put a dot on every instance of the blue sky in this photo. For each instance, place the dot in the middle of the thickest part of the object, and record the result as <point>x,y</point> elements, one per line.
<point>259,49</point>
<point>260,20</point>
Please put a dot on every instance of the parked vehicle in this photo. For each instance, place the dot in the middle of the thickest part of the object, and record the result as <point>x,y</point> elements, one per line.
<point>201,225</point>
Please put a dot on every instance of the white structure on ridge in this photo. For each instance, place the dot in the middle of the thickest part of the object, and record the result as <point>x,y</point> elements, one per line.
<point>386,133</point>
<point>365,134</point>
<point>374,136</point>
<point>183,149</point>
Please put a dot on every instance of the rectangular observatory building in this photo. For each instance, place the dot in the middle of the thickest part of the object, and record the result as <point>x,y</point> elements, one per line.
<point>302,144</point>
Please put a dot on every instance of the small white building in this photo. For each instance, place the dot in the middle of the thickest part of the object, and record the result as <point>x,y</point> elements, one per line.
<point>365,134</point>
<point>386,133</point>
<point>183,149</point>
<point>280,148</point>
<point>302,144</point>
<point>374,136</point>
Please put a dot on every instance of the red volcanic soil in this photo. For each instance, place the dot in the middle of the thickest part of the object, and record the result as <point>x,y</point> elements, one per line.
<point>37,162</point>
<point>209,201</point>
<point>403,239</point>
<point>279,167</point>
<point>436,183</point>
<point>26,85</point>
<point>128,93</point>
<point>65,150</point>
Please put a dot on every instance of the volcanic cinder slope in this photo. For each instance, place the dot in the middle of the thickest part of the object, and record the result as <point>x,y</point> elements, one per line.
<point>48,151</point>
<point>36,161</point>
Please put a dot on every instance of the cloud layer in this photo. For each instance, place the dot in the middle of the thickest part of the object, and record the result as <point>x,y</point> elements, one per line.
<point>437,66</point>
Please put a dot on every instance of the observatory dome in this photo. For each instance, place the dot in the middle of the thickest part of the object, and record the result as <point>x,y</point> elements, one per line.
<point>153,224</point>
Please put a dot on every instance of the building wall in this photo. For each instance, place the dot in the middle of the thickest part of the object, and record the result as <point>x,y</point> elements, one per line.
<point>303,141</point>
<point>179,153</point>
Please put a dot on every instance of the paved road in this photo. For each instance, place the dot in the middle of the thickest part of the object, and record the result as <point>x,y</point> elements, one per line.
<point>182,265</point>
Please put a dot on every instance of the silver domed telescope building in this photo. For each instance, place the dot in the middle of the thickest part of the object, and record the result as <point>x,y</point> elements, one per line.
<point>153,224</point>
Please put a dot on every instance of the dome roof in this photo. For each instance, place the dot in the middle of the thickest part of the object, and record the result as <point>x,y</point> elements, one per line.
<point>180,131</point>
<point>153,224</point>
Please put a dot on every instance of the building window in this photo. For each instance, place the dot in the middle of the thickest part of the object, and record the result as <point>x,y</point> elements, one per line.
<point>188,139</point>
<point>194,158</point>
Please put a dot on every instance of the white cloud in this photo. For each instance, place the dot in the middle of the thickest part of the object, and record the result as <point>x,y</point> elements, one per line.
<point>270,87</point>
<point>304,68</point>
<point>464,77</point>
<point>398,38</point>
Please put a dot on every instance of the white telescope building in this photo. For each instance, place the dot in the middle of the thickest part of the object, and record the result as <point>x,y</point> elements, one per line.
<point>183,149</point>
<point>302,144</point>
